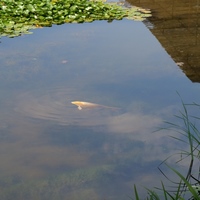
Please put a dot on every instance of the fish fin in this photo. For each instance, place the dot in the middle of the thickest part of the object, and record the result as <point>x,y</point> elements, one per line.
<point>79,107</point>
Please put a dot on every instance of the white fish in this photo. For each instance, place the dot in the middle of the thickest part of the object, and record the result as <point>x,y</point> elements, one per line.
<point>83,104</point>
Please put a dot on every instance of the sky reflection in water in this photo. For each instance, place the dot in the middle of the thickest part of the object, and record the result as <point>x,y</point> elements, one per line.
<point>92,153</point>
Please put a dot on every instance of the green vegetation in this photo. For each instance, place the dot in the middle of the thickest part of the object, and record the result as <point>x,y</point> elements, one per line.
<point>55,187</point>
<point>189,185</point>
<point>18,16</point>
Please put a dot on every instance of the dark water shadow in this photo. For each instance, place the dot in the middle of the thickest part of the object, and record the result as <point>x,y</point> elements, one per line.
<point>175,23</point>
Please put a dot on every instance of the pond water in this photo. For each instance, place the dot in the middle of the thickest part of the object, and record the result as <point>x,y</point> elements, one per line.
<point>50,149</point>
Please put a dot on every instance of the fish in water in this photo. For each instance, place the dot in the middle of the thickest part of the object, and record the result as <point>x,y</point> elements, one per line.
<point>83,104</point>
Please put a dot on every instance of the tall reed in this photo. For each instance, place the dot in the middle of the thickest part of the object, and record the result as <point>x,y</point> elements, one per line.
<point>188,186</point>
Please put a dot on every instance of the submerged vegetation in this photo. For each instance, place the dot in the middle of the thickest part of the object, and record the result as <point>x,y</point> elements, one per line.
<point>17,17</point>
<point>188,186</point>
<point>61,186</point>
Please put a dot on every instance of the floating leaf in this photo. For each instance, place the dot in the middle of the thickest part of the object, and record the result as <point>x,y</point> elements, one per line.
<point>17,17</point>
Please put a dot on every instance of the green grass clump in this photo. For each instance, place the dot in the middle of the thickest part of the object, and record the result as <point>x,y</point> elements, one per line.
<point>189,185</point>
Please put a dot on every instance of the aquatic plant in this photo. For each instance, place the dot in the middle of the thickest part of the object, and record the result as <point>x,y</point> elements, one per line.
<point>55,187</point>
<point>189,184</point>
<point>17,17</point>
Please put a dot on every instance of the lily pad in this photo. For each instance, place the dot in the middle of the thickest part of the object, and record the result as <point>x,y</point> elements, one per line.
<point>19,16</point>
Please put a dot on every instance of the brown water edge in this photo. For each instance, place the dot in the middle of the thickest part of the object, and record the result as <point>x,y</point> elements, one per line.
<point>175,23</point>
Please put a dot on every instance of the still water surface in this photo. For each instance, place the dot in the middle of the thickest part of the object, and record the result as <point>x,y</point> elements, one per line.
<point>50,149</point>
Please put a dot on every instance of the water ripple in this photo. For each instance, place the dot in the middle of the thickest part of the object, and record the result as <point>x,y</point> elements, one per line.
<point>55,105</point>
